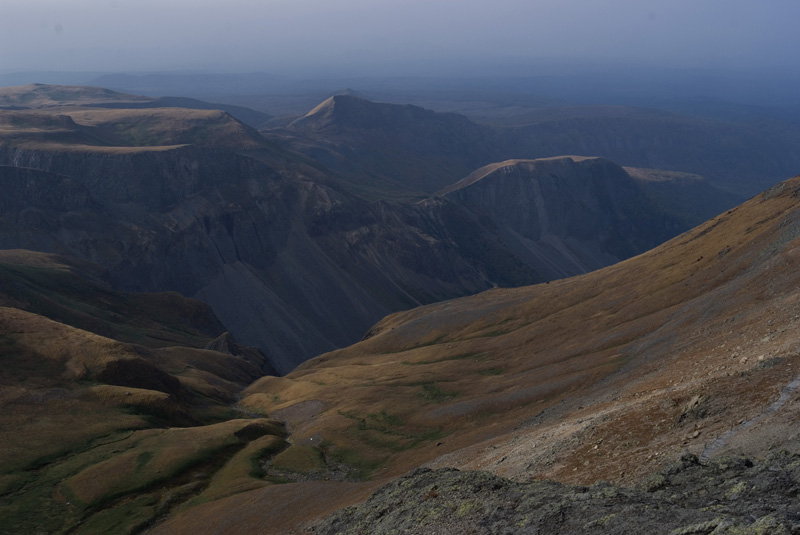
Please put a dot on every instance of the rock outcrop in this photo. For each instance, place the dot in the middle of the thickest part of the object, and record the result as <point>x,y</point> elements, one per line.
<point>727,496</point>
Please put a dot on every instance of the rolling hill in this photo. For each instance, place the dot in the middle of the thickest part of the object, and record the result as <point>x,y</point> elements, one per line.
<point>105,395</point>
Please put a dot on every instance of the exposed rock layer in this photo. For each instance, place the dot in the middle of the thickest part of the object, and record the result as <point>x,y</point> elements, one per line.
<point>728,496</point>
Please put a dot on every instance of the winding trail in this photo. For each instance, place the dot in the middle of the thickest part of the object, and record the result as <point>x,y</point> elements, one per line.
<point>786,393</point>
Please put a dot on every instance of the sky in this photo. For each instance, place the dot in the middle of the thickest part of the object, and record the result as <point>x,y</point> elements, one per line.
<point>409,37</point>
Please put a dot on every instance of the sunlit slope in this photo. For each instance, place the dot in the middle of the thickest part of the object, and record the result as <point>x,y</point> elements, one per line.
<point>169,126</point>
<point>61,97</point>
<point>602,375</point>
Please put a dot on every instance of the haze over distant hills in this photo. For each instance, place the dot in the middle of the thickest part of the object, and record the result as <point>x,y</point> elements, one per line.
<point>429,150</point>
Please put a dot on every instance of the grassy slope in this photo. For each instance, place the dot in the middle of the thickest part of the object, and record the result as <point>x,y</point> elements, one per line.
<point>68,291</point>
<point>88,423</point>
<point>606,375</point>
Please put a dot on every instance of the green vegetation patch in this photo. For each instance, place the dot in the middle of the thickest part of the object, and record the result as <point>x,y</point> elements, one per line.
<point>476,356</point>
<point>127,517</point>
<point>143,458</point>
<point>300,459</point>
<point>434,393</point>
<point>492,371</point>
<point>383,431</point>
<point>120,483</point>
<point>436,341</point>
<point>124,473</point>
<point>244,471</point>
<point>362,465</point>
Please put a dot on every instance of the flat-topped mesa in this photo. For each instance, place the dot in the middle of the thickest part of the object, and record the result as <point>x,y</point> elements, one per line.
<point>46,96</point>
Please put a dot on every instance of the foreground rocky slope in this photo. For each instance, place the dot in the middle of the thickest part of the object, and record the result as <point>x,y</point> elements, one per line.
<point>725,497</point>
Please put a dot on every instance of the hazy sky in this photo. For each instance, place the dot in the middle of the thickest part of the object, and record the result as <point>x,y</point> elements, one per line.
<point>408,35</point>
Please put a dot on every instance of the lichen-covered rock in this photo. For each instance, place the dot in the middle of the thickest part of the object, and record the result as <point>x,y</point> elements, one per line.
<point>724,497</point>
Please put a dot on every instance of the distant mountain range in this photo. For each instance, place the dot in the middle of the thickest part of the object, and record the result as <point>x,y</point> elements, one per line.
<point>408,150</point>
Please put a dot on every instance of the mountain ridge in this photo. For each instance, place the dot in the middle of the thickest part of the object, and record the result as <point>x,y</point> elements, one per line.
<point>175,200</point>
<point>382,143</point>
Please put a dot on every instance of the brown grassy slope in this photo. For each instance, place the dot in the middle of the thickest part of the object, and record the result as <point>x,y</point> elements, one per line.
<point>83,447</point>
<point>82,438</point>
<point>49,366</point>
<point>83,442</point>
<point>606,375</point>
<point>71,291</point>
